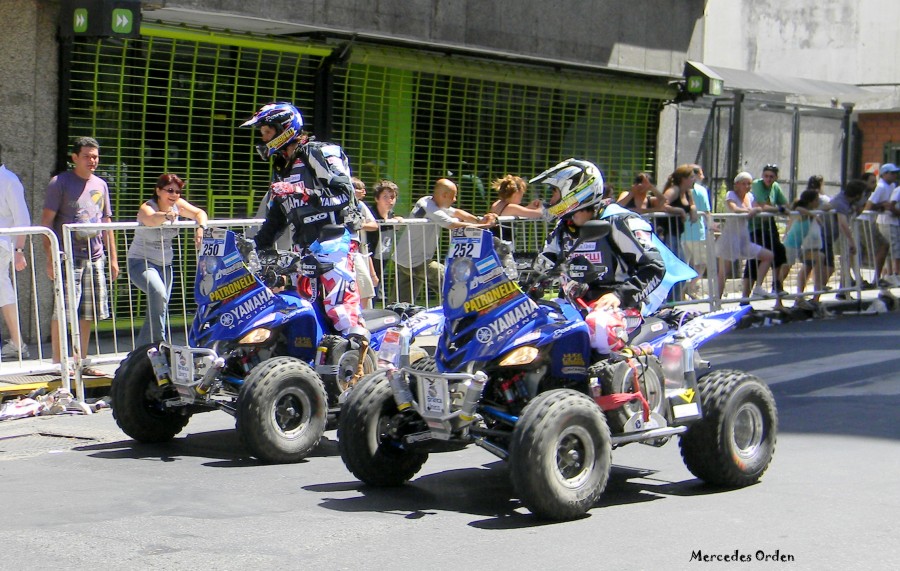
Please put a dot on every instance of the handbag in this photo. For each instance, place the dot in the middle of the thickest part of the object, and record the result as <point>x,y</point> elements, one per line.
<point>813,238</point>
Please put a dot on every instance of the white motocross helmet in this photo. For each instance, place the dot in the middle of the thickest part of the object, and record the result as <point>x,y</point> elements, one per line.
<point>579,182</point>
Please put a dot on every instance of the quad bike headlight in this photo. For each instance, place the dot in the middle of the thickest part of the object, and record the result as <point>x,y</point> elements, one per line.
<point>520,356</point>
<point>259,335</point>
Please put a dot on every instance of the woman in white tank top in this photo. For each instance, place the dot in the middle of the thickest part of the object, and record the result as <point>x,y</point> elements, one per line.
<point>150,254</point>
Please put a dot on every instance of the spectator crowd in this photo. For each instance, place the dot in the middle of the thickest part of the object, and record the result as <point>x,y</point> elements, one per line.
<point>755,237</point>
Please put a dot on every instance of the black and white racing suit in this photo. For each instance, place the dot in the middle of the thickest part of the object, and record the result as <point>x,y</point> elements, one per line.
<point>309,191</point>
<point>628,264</point>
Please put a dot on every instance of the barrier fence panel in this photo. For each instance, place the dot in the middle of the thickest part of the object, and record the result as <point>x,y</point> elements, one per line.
<point>109,339</point>
<point>833,256</point>
<point>24,317</point>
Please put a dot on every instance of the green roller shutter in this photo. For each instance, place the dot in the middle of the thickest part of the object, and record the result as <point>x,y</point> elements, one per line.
<point>171,101</point>
<point>414,118</point>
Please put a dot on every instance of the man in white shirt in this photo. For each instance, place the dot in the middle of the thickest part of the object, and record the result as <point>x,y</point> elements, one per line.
<point>884,200</point>
<point>13,212</point>
<point>416,247</point>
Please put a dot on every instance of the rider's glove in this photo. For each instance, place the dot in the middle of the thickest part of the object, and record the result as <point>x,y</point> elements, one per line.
<point>283,188</point>
<point>574,290</point>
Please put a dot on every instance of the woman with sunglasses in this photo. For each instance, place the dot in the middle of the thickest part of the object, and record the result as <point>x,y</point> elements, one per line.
<point>151,254</point>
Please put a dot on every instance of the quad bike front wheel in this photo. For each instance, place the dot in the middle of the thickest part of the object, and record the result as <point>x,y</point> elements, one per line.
<point>560,455</point>
<point>733,444</point>
<point>370,432</point>
<point>281,410</point>
<point>138,401</point>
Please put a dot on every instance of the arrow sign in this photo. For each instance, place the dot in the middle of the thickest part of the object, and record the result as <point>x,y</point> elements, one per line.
<point>80,20</point>
<point>122,20</point>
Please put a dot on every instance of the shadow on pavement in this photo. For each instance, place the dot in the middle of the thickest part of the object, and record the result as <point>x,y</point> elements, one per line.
<point>487,491</point>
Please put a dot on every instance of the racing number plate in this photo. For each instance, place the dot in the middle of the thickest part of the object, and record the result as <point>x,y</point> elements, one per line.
<point>182,364</point>
<point>435,395</point>
<point>466,243</point>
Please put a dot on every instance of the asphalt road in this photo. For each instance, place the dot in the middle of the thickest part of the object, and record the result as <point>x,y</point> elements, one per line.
<point>76,493</point>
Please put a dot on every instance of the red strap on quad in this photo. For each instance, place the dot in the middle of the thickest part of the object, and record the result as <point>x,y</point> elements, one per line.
<point>614,401</point>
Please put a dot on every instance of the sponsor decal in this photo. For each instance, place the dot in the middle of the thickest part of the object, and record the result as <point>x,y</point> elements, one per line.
<point>573,359</point>
<point>315,218</point>
<point>491,297</point>
<point>486,265</point>
<point>227,320</point>
<point>572,327</point>
<point>303,342</point>
<point>233,288</point>
<point>687,395</point>
<point>247,308</point>
<point>512,319</point>
<point>282,139</point>
<point>228,270</point>
<point>231,259</point>
<point>484,335</point>
<point>486,278</point>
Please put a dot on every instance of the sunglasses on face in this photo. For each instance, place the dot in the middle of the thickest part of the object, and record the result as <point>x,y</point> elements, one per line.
<point>173,191</point>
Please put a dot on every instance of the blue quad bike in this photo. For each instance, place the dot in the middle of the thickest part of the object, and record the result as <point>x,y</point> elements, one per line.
<point>517,377</point>
<point>271,360</point>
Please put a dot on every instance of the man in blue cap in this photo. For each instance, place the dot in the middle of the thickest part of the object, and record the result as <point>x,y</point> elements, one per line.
<point>884,200</point>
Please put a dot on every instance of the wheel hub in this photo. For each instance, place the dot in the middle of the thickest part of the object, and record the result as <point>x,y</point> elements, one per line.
<point>748,430</point>
<point>574,456</point>
<point>291,413</point>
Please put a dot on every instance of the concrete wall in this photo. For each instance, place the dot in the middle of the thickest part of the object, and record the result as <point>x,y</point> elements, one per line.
<point>847,41</point>
<point>640,35</point>
<point>28,114</point>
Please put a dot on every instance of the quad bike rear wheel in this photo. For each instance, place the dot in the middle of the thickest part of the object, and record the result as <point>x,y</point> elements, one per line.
<point>560,455</point>
<point>733,444</point>
<point>137,401</point>
<point>281,410</point>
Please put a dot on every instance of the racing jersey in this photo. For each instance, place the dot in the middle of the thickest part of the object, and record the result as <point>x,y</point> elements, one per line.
<point>318,192</point>
<point>628,263</point>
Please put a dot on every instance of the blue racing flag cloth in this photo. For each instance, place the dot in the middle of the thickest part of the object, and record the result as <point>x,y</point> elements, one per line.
<point>676,269</point>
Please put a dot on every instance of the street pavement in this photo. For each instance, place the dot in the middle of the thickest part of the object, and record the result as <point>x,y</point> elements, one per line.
<point>78,494</point>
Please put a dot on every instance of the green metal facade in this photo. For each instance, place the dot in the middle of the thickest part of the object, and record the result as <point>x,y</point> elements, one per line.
<point>172,100</point>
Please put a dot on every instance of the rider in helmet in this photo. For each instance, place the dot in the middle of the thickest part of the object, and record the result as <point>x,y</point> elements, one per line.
<point>629,265</point>
<point>312,192</point>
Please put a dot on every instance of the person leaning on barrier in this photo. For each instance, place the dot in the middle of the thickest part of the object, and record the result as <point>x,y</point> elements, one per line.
<point>416,245</point>
<point>13,212</point>
<point>768,197</point>
<point>735,243</point>
<point>633,265</point>
<point>366,279</point>
<point>151,254</point>
<point>381,241</point>
<point>693,239</point>
<point>884,200</point>
<point>311,190</point>
<point>511,190</point>
<point>79,196</point>
<point>838,223</point>
<point>643,197</point>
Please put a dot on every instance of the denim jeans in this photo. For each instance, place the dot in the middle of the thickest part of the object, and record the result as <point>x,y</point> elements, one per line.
<point>156,282</point>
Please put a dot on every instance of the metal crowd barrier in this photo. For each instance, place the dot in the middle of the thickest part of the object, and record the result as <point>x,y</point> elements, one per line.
<point>112,341</point>
<point>28,307</point>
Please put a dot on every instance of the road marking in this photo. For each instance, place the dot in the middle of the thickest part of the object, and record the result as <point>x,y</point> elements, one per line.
<point>809,368</point>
